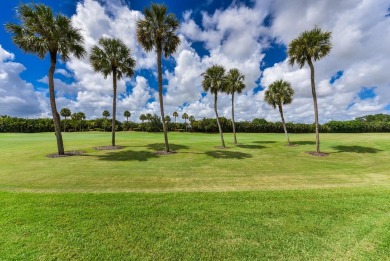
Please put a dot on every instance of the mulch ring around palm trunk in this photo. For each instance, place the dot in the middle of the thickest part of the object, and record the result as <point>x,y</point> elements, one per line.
<point>66,154</point>
<point>292,145</point>
<point>108,148</point>
<point>317,154</point>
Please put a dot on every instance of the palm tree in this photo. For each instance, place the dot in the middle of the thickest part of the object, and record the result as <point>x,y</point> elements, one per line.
<point>157,32</point>
<point>149,117</point>
<point>40,33</point>
<point>167,121</point>
<point>81,117</point>
<point>65,112</point>
<point>308,47</point>
<point>113,58</point>
<point>234,83</point>
<point>185,117</point>
<point>143,118</point>
<point>191,119</point>
<point>279,93</point>
<point>127,114</point>
<point>175,114</point>
<point>106,114</point>
<point>214,81</point>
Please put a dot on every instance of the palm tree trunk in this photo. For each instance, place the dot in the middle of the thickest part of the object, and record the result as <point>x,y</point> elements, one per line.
<point>219,125</point>
<point>283,122</point>
<point>160,96</point>
<point>56,116</point>
<point>234,125</point>
<point>113,105</point>
<point>313,91</point>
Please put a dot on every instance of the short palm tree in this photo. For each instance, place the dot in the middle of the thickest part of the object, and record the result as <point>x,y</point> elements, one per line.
<point>308,47</point>
<point>106,114</point>
<point>113,57</point>
<point>234,84</point>
<point>278,94</point>
<point>65,112</point>
<point>127,114</point>
<point>191,119</point>
<point>167,121</point>
<point>157,31</point>
<point>81,116</point>
<point>143,118</point>
<point>43,33</point>
<point>214,81</point>
<point>185,117</point>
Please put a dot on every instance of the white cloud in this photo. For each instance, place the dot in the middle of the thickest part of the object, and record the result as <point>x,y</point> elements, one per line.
<point>17,97</point>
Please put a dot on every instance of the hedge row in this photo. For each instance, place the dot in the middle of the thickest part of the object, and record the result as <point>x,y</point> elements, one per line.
<point>10,124</point>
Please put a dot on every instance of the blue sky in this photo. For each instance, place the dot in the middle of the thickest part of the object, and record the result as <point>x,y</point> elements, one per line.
<point>250,35</point>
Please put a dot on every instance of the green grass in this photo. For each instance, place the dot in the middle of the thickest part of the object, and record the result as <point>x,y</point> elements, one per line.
<point>259,200</point>
<point>262,161</point>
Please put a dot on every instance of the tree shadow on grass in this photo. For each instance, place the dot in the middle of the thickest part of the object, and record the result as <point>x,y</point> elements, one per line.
<point>303,142</point>
<point>161,146</point>
<point>223,154</point>
<point>356,149</point>
<point>249,146</point>
<point>127,155</point>
<point>265,141</point>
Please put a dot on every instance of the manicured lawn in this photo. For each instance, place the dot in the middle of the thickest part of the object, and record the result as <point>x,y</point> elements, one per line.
<point>260,200</point>
<point>262,161</point>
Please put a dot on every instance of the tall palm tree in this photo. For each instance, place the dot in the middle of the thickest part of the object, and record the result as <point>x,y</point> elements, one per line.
<point>214,81</point>
<point>65,112</point>
<point>185,117</point>
<point>157,31</point>
<point>175,115</point>
<point>308,47</point>
<point>279,93</point>
<point>114,57</point>
<point>234,83</point>
<point>43,33</point>
<point>127,114</point>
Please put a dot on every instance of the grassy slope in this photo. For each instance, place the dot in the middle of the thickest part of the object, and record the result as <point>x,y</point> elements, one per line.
<point>312,221</point>
<point>261,162</point>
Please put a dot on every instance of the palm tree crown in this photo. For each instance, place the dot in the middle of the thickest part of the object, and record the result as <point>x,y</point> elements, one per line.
<point>234,81</point>
<point>65,112</point>
<point>309,45</point>
<point>41,32</point>
<point>157,30</point>
<point>278,93</point>
<point>106,113</point>
<point>113,56</point>
<point>214,79</point>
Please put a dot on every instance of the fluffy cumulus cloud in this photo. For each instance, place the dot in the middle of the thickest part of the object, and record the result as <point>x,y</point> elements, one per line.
<point>360,38</point>
<point>17,97</point>
<point>240,37</point>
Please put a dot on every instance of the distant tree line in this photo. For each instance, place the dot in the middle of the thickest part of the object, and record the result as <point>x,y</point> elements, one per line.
<point>153,123</point>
